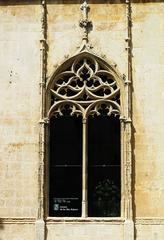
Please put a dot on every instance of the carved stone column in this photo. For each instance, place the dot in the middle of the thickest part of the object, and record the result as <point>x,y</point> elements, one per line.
<point>129,223</point>
<point>40,224</point>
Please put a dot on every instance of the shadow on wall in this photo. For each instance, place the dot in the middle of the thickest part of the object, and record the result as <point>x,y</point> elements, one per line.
<point>133,129</point>
<point>35,2</point>
<point>133,152</point>
<point>1,228</point>
<point>133,179</point>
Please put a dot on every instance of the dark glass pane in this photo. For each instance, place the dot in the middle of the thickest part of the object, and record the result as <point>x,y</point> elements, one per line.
<point>65,166</point>
<point>104,166</point>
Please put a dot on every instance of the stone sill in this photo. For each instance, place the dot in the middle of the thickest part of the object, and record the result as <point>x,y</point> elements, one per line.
<point>88,220</point>
<point>109,220</point>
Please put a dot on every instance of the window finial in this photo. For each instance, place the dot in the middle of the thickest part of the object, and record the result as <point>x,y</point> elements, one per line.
<point>85,23</point>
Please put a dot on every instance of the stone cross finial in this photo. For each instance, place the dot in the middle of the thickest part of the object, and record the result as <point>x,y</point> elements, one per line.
<point>84,22</point>
<point>85,9</point>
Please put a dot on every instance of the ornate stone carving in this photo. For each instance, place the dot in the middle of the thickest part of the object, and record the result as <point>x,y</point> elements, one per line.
<point>85,23</point>
<point>85,87</point>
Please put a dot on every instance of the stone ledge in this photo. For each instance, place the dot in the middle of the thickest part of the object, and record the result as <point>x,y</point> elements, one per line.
<point>11,220</point>
<point>54,220</point>
<point>117,221</point>
<point>149,221</point>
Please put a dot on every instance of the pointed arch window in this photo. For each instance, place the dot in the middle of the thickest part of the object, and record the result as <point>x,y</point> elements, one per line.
<point>84,103</point>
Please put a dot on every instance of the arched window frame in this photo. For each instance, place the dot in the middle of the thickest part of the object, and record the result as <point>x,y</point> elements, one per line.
<point>125,123</point>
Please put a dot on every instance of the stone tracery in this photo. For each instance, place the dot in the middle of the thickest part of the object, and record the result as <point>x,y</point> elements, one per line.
<point>85,87</point>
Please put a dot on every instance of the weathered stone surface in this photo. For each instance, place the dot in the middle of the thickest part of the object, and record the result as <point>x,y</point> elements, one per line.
<point>84,231</point>
<point>148,82</point>
<point>19,93</point>
<point>17,232</point>
<point>20,34</point>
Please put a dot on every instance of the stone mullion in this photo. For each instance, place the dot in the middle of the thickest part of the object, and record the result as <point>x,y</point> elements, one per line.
<point>84,170</point>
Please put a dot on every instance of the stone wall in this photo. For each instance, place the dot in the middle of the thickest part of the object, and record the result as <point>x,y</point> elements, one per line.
<point>20,64</point>
<point>148,82</point>
<point>20,34</point>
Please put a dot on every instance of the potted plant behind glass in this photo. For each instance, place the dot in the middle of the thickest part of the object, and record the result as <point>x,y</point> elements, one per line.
<point>106,199</point>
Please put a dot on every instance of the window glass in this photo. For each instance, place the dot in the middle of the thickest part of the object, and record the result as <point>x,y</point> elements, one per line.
<point>65,166</point>
<point>104,166</point>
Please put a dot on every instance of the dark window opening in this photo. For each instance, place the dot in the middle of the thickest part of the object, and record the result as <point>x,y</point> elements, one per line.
<point>104,166</point>
<point>65,166</point>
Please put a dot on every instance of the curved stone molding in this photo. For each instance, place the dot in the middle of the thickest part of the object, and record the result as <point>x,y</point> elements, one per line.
<point>86,86</point>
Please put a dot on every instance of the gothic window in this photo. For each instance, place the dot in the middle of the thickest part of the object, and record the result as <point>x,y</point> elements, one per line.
<point>84,154</point>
